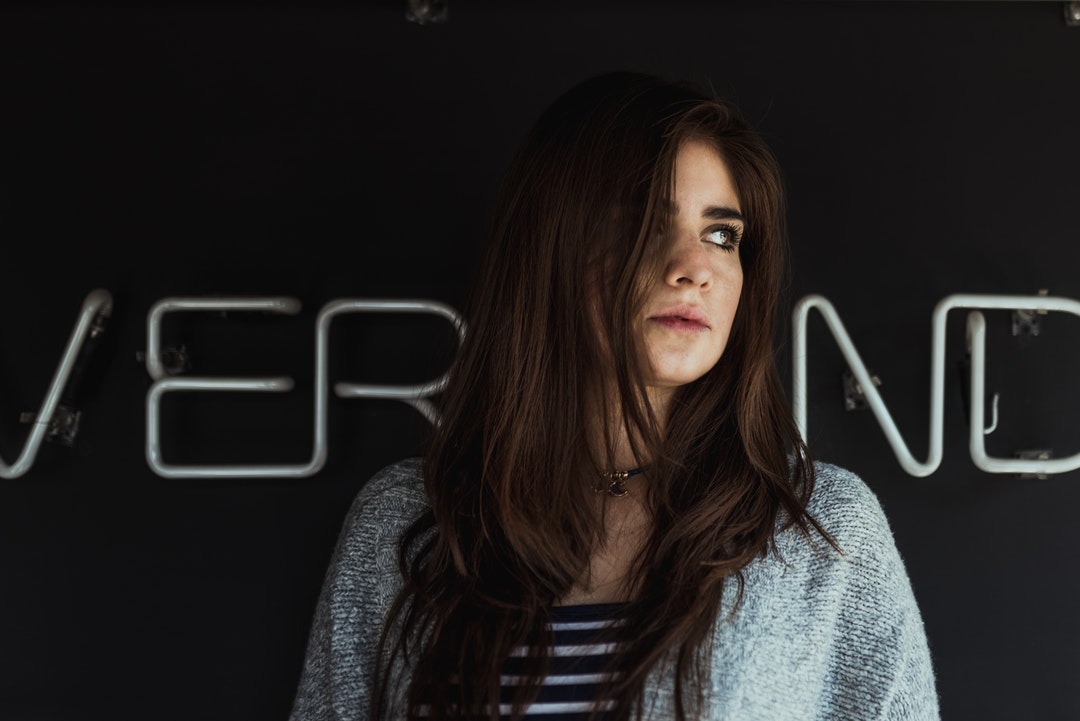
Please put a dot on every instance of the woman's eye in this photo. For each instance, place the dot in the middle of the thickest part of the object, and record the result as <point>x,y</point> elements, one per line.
<point>724,237</point>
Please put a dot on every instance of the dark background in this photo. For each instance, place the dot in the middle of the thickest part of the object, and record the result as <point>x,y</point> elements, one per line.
<point>332,150</point>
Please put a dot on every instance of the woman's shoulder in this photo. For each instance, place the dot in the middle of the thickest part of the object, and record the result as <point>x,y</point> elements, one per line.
<point>386,505</point>
<point>389,500</point>
<point>848,510</point>
<point>400,483</point>
<point>845,505</point>
<point>840,486</point>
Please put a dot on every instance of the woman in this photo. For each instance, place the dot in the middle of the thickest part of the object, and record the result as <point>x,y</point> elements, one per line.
<point>616,517</point>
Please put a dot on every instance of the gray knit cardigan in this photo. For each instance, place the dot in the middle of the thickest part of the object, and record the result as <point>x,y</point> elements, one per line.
<point>819,635</point>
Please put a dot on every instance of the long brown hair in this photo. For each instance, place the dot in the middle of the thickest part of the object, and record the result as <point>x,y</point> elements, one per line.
<point>510,470</point>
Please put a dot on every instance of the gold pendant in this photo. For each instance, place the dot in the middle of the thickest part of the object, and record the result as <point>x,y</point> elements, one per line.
<point>614,484</point>
<point>615,488</point>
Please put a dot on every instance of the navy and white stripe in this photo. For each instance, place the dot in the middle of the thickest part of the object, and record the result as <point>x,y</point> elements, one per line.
<point>577,667</point>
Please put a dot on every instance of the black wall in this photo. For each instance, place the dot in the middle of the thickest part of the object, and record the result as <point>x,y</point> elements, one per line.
<point>325,151</point>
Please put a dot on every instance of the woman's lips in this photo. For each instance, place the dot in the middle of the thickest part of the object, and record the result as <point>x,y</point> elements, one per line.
<point>678,322</point>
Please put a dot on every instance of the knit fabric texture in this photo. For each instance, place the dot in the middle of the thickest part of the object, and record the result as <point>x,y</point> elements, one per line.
<point>819,635</point>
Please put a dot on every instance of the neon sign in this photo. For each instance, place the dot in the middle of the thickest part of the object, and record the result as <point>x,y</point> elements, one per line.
<point>97,307</point>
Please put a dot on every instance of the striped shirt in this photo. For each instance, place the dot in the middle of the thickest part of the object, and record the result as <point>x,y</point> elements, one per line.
<point>576,669</point>
<point>577,666</point>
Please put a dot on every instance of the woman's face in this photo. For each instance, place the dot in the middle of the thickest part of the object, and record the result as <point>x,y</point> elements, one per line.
<point>688,312</point>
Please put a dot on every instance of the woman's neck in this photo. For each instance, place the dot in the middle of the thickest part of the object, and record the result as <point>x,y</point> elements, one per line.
<point>611,575</point>
<point>626,519</point>
<point>625,453</point>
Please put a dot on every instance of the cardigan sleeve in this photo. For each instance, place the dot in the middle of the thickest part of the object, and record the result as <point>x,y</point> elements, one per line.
<point>882,665</point>
<point>361,583</point>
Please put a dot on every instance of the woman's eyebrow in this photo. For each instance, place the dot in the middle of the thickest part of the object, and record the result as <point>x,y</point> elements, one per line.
<point>712,212</point>
<point>716,212</point>
<point>670,209</point>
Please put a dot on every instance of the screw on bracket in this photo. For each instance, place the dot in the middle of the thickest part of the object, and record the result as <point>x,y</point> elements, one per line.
<point>63,426</point>
<point>1028,322</point>
<point>174,359</point>
<point>854,396</point>
<point>423,12</point>
<point>1041,454</point>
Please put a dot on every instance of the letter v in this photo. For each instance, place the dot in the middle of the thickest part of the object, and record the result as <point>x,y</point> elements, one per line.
<point>95,311</point>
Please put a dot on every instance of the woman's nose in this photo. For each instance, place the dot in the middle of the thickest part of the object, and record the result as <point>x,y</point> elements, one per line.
<point>688,264</point>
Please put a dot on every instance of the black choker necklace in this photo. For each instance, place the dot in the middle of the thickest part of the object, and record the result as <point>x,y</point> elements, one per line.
<point>612,482</point>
